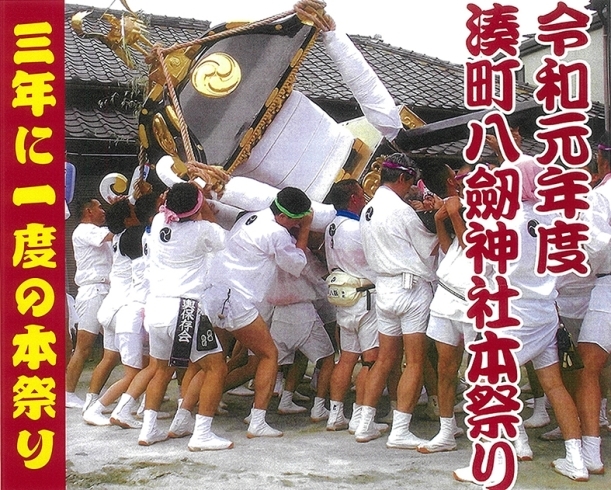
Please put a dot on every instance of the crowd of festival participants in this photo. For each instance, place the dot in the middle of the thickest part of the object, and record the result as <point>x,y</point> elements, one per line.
<point>266,296</point>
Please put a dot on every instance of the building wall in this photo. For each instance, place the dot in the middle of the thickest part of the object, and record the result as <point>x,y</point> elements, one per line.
<point>593,54</point>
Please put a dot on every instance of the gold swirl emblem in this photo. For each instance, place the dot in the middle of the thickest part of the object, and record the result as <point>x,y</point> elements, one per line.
<point>371,181</point>
<point>216,76</point>
<point>163,135</point>
<point>120,184</point>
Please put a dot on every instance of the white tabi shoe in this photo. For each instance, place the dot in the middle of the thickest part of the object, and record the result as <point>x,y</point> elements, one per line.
<point>552,435</point>
<point>498,472</point>
<point>366,430</point>
<point>93,415</point>
<point>443,441</point>
<point>122,414</point>
<point>537,420</point>
<point>125,421</point>
<point>355,420</point>
<point>337,420</point>
<point>258,427</point>
<point>573,465</point>
<point>73,401</point>
<point>298,397</point>
<point>286,405</point>
<point>182,425</point>
<point>319,412</point>
<point>241,391</point>
<point>540,417</point>
<point>440,443</point>
<point>590,448</point>
<point>150,432</point>
<point>90,399</point>
<point>203,439</point>
<point>400,436</point>
<point>523,450</point>
<point>161,415</point>
<point>530,403</point>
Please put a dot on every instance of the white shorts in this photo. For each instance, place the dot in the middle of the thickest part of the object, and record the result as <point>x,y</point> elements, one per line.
<point>402,311</point>
<point>130,336</point>
<point>71,314</point>
<point>266,310</point>
<point>130,318</point>
<point>298,327</point>
<point>573,306</point>
<point>228,309</point>
<point>450,332</point>
<point>112,303</point>
<point>132,347</point>
<point>538,333</point>
<point>358,327</point>
<point>110,342</point>
<point>326,311</point>
<point>596,327</point>
<point>161,316</point>
<point>447,305</point>
<point>87,303</point>
<point>538,338</point>
<point>542,355</point>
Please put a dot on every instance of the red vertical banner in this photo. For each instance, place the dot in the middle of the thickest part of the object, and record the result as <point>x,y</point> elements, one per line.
<point>492,202</point>
<point>32,271</point>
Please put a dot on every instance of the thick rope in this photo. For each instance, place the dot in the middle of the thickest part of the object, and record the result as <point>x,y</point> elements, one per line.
<point>142,160</point>
<point>230,32</point>
<point>184,133</point>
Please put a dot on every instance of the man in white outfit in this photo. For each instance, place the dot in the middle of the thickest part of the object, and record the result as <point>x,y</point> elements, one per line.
<point>130,338</point>
<point>120,215</point>
<point>183,234</point>
<point>595,336</point>
<point>448,325</point>
<point>241,276</point>
<point>93,256</point>
<point>401,251</point>
<point>296,326</point>
<point>357,322</point>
